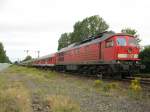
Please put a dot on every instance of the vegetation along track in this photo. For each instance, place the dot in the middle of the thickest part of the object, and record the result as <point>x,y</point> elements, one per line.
<point>142,80</point>
<point>145,82</point>
<point>35,90</point>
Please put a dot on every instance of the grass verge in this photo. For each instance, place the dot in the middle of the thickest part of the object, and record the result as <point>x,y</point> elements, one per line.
<point>14,97</point>
<point>59,103</point>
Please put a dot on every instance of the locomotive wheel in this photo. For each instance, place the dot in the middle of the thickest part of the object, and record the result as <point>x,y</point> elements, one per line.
<point>117,76</point>
<point>107,73</point>
<point>126,74</point>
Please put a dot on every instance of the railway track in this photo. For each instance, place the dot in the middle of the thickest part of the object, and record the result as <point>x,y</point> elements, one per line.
<point>145,82</point>
<point>142,80</point>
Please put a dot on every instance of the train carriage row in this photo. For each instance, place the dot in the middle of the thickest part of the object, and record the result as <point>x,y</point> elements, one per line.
<point>106,53</point>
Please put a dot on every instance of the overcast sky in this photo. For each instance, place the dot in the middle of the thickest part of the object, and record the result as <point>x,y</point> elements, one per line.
<point>37,24</point>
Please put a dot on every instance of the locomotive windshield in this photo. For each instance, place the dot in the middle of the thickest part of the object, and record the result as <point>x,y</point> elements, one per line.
<point>132,41</point>
<point>121,41</point>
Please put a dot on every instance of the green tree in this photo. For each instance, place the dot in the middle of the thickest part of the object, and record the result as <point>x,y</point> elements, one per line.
<point>89,26</point>
<point>145,58</point>
<point>3,57</point>
<point>131,32</point>
<point>64,40</point>
<point>27,58</point>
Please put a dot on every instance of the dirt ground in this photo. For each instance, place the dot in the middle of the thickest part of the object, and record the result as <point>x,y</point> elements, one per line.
<point>45,91</point>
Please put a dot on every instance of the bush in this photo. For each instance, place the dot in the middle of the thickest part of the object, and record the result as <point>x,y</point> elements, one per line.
<point>98,83</point>
<point>59,103</point>
<point>110,86</point>
<point>135,90</point>
<point>106,88</point>
<point>135,85</point>
<point>145,59</point>
<point>114,85</point>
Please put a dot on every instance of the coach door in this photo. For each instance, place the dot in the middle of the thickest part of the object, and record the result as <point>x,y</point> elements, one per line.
<point>108,51</point>
<point>100,50</point>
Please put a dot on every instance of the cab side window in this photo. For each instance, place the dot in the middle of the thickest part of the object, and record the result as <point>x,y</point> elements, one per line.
<point>109,43</point>
<point>61,56</point>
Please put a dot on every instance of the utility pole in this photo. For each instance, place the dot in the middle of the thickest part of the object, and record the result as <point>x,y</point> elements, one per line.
<point>18,60</point>
<point>38,53</point>
<point>27,51</point>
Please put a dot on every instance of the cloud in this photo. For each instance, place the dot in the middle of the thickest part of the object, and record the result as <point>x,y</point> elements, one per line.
<point>52,27</point>
<point>38,24</point>
<point>2,2</point>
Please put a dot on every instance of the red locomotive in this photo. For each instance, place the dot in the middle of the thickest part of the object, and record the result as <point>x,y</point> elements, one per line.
<point>107,54</point>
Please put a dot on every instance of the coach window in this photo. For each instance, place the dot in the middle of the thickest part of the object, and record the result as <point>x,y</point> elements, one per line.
<point>46,61</point>
<point>109,43</point>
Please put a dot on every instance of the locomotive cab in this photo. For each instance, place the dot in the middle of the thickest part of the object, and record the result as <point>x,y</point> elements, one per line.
<point>126,48</point>
<point>126,54</point>
<point>121,51</point>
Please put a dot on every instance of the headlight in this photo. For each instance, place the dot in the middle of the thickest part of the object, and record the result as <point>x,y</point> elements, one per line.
<point>127,55</point>
<point>122,55</point>
<point>136,56</point>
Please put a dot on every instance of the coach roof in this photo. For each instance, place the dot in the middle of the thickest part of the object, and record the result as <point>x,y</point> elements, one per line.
<point>45,57</point>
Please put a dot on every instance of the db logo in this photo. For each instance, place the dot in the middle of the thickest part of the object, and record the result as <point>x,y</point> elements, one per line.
<point>130,55</point>
<point>129,50</point>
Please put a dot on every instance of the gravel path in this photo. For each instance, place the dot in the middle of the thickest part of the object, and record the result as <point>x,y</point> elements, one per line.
<point>81,91</point>
<point>4,66</point>
<point>38,104</point>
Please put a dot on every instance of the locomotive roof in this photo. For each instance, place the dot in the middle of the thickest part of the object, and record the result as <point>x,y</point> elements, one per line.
<point>93,40</point>
<point>45,57</point>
